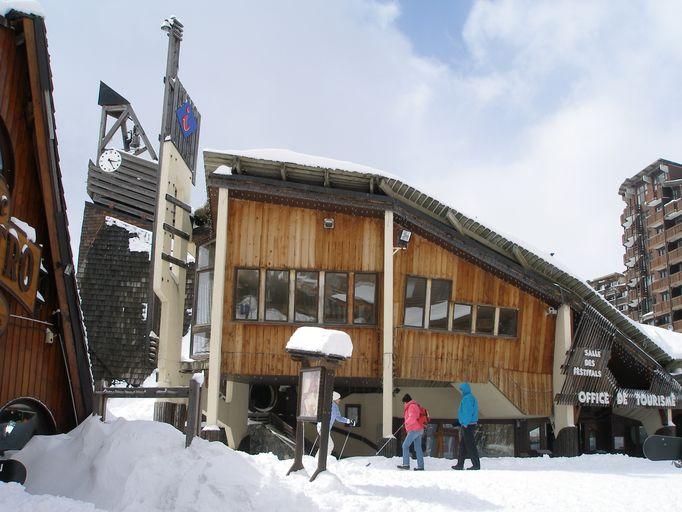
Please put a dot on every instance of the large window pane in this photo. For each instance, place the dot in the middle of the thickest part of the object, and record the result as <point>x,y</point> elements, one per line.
<point>485,319</point>
<point>306,297</point>
<point>508,322</point>
<point>202,313</point>
<point>365,299</point>
<point>246,295</point>
<point>335,298</point>
<point>200,343</point>
<point>277,295</point>
<point>461,318</point>
<point>415,301</point>
<point>440,297</point>
<point>205,256</point>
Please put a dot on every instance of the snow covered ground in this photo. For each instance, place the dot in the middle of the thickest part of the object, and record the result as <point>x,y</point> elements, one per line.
<point>127,466</point>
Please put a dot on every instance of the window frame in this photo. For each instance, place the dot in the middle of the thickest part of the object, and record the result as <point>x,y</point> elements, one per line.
<point>497,326</point>
<point>472,308</point>
<point>234,295</point>
<point>265,301</point>
<point>426,299</point>
<point>317,302</point>
<point>323,293</point>
<point>474,328</point>
<point>194,327</point>
<point>376,300</point>
<point>448,301</point>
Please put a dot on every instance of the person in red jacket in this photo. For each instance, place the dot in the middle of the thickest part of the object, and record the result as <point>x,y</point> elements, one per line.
<point>415,430</point>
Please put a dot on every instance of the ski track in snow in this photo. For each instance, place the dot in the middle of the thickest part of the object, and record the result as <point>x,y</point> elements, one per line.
<point>137,466</point>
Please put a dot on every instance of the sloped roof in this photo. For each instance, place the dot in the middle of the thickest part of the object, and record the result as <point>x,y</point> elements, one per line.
<point>287,165</point>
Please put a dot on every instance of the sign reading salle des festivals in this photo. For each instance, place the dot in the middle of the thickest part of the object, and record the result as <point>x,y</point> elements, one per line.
<point>19,256</point>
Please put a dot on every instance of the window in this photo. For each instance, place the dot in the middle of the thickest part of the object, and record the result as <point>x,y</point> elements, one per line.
<point>665,297</point>
<point>335,298</point>
<point>508,322</point>
<point>365,299</point>
<point>203,297</point>
<point>306,297</point>
<point>461,318</point>
<point>661,251</point>
<point>440,300</point>
<point>277,295</point>
<point>485,319</point>
<point>415,301</point>
<point>246,294</point>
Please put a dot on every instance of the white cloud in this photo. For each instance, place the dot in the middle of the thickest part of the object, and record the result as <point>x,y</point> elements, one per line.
<point>556,103</point>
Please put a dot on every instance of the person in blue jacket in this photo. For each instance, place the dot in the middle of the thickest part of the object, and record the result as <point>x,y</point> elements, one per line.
<point>335,416</point>
<point>468,418</point>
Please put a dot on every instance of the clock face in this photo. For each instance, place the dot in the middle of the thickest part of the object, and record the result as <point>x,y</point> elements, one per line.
<point>110,160</point>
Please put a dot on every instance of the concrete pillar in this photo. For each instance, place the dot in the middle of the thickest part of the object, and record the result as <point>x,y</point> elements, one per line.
<point>565,431</point>
<point>215,354</point>
<point>387,381</point>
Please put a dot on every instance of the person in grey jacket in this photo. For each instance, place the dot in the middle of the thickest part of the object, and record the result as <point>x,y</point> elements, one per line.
<point>335,416</point>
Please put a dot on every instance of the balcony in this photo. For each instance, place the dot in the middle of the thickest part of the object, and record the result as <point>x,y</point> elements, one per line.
<point>672,209</point>
<point>659,285</point>
<point>675,256</point>
<point>655,218</point>
<point>626,218</point>
<point>659,262</point>
<point>662,309</point>
<point>628,241</point>
<point>676,279</point>
<point>677,302</point>
<point>657,240</point>
<point>674,233</point>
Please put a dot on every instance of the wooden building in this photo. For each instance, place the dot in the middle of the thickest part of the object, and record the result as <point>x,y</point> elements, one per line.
<point>45,381</point>
<point>429,297</point>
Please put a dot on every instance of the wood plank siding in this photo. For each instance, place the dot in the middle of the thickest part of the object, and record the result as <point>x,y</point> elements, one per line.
<point>30,367</point>
<point>266,235</point>
<point>278,236</point>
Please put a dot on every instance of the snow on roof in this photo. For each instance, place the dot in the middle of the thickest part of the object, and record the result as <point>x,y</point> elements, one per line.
<point>28,230</point>
<point>669,341</point>
<point>496,237</point>
<point>287,156</point>
<point>141,242</point>
<point>23,6</point>
<point>321,341</point>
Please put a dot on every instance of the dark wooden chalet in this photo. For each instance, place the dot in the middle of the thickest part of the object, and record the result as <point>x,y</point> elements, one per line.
<point>45,381</point>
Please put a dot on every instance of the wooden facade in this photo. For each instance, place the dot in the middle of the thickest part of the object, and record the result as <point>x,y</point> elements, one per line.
<point>43,354</point>
<point>269,235</point>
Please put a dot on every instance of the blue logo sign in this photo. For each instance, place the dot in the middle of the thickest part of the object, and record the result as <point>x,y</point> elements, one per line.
<point>186,119</point>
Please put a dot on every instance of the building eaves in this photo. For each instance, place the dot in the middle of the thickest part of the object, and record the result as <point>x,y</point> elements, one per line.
<point>516,251</point>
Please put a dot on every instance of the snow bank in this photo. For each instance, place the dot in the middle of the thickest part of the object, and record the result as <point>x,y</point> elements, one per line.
<point>321,341</point>
<point>287,156</point>
<point>131,466</point>
<point>140,466</point>
<point>133,408</point>
<point>142,239</point>
<point>23,6</point>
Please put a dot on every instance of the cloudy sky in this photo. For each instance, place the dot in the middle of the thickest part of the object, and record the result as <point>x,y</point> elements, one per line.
<point>525,114</point>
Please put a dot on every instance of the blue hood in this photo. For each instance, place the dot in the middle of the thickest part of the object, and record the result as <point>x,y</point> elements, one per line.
<point>465,388</point>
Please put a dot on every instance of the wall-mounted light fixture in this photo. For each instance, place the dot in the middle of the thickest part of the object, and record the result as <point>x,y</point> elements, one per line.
<point>328,223</point>
<point>404,236</point>
<point>49,336</point>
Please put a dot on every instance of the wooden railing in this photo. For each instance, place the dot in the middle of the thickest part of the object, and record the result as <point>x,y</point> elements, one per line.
<point>659,262</point>
<point>677,302</point>
<point>676,279</point>
<point>674,233</point>
<point>660,284</point>
<point>655,218</point>
<point>662,308</point>
<point>657,240</point>
<point>675,256</point>
<point>673,207</point>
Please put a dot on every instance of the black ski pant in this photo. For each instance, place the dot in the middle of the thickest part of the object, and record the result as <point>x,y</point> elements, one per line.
<point>467,447</point>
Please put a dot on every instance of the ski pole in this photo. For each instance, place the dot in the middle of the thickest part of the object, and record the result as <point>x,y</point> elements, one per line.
<point>313,447</point>
<point>389,440</point>
<point>344,445</point>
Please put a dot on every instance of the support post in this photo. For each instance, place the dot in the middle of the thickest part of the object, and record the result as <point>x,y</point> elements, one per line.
<point>193,412</point>
<point>325,427</point>
<point>565,431</point>
<point>215,350</point>
<point>387,380</point>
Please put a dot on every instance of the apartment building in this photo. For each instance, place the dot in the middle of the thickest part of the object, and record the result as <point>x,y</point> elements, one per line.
<point>613,288</point>
<point>652,223</point>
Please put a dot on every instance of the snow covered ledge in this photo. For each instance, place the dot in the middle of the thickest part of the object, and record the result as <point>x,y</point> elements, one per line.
<point>321,342</point>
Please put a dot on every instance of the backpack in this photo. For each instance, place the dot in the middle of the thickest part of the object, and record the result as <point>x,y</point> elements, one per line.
<point>423,416</point>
